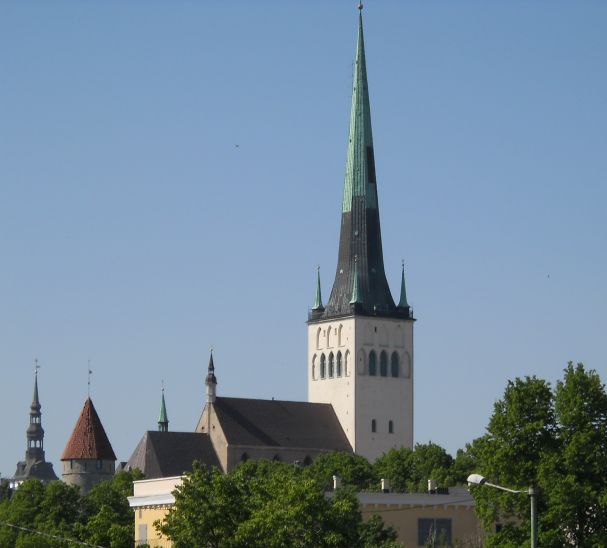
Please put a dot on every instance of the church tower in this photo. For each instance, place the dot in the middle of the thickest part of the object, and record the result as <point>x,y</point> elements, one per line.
<point>34,465</point>
<point>360,346</point>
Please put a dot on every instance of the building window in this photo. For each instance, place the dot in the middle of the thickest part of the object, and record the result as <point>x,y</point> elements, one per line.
<point>383,364</point>
<point>307,461</point>
<point>395,365</point>
<point>143,533</point>
<point>339,364</point>
<point>373,426</point>
<point>323,366</point>
<point>331,365</point>
<point>99,464</point>
<point>390,427</point>
<point>244,457</point>
<point>372,363</point>
<point>433,532</point>
<point>276,458</point>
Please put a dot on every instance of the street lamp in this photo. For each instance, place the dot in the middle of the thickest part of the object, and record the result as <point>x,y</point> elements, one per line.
<point>477,479</point>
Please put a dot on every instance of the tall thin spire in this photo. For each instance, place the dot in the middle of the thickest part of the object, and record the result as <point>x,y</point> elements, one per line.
<point>211,380</point>
<point>163,419</point>
<point>360,227</point>
<point>318,300</point>
<point>402,303</point>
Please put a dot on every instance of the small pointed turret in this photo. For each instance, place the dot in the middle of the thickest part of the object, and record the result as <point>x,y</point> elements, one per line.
<point>402,303</point>
<point>318,306</point>
<point>211,381</point>
<point>163,419</point>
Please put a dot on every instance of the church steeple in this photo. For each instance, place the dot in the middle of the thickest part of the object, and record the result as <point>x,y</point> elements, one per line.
<point>34,465</point>
<point>211,381</point>
<point>402,303</point>
<point>163,419</point>
<point>360,227</point>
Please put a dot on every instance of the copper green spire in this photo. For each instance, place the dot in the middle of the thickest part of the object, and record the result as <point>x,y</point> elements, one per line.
<point>360,163</point>
<point>318,300</point>
<point>403,291</point>
<point>360,233</point>
<point>163,419</point>
<point>355,293</point>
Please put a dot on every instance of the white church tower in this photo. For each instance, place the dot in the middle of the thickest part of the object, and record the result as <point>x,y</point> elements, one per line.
<point>360,346</point>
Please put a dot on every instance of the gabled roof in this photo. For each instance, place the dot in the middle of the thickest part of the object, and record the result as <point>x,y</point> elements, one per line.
<point>88,439</point>
<point>280,424</point>
<point>166,454</point>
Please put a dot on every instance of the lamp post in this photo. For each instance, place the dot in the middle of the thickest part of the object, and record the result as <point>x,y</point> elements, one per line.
<point>477,479</point>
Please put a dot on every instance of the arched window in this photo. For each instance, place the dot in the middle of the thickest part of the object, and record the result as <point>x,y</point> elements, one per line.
<point>318,338</point>
<point>383,364</point>
<point>340,341</point>
<point>395,365</point>
<point>372,363</point>
<point>373,425</point>
<point>314,368</point>
<point>339,364</point>
<point>331,365</point>
<point>329,337</point>
<point>390,427</point>
<point>346,365</point>
<point>323,366</point>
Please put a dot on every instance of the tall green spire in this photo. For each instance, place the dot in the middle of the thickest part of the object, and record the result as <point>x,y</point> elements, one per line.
<point>355,292</point>
<point>403,291</point>
<point>318,300</point>
<point>163,419</point>
<point>360,163</point>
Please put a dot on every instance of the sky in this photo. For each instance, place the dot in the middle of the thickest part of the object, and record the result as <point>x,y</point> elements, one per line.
<point>171,173</point>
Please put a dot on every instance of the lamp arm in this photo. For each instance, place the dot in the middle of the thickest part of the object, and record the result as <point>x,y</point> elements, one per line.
<point>504,488</point>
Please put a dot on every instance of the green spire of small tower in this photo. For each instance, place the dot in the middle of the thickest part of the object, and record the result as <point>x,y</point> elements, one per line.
<point>355,292</point>
<point>318,301</point>
<point>403,291</point>
<point>163,419</point>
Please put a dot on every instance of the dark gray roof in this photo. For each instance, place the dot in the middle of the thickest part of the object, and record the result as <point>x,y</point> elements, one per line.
<point>166,454</point>
<point>281,424</point>
<point>41,470</point>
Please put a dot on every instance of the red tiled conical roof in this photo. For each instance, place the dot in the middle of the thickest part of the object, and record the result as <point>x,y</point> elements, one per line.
<point>88,440</point>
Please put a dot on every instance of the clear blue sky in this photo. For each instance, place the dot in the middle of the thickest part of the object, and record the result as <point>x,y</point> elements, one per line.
<point>136,234</point>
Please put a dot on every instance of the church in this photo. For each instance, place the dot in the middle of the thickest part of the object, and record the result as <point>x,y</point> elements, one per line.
<point>360,352</point>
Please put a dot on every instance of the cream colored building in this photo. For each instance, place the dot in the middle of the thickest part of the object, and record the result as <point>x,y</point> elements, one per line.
<point>414,516</point>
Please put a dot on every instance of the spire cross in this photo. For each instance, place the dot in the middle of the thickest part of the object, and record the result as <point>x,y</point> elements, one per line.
<point>36,366</point>
<point>162,385</point>
<point>90,372</point>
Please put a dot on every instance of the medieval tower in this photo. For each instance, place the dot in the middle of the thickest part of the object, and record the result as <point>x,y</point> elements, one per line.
<point>360,346</point>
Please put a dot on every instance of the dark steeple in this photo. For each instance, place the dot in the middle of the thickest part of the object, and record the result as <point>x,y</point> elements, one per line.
<point>360,228</point>
<point>34,465</point>
<point>211,381</point>
<point>163,419</point>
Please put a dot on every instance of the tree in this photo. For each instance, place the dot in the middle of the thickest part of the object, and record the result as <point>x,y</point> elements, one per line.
<point>268,504</point>
<point>556,441</point>
<point>410,469</point>
<point>354,470</point>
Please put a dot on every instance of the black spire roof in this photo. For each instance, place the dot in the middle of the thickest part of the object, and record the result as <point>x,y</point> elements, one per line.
<point>360,263</point>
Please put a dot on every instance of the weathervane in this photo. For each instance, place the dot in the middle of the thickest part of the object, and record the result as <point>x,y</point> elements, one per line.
<point>36,366</point>
<point>360,6</point>
<point>90,372</point>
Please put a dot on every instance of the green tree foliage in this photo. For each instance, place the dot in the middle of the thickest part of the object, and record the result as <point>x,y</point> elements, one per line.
<point>410,469</point>
<point>555,440</point>
<point>354,471</point>
<point>49,514</point>
<point>266,504</point>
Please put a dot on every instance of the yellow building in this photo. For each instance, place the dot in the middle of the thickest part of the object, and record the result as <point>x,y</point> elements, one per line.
<point>446,516</point>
